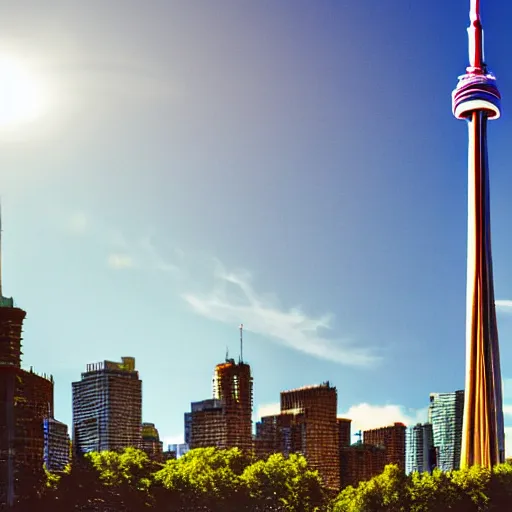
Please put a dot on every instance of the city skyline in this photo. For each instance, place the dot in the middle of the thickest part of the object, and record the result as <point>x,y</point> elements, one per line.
<point>199,168</point>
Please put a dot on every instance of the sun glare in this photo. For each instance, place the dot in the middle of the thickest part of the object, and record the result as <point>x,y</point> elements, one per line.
<point>22,98</point>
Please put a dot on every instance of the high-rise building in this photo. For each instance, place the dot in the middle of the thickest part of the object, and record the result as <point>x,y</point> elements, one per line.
<point>445,413</point>
<point>224,421</point>
<point>25,400</point>
<point>232,385</point>
<point>420,451</point>
<point>56,445</point>
<point>107,407</point>
<point>151,443</point>
<point>392,438</point>
<point>307,424</point>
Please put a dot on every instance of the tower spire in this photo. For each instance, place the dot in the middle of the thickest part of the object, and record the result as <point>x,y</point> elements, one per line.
<point>477,99</point>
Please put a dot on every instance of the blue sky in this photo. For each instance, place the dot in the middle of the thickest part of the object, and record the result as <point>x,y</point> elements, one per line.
<point>291,165</point>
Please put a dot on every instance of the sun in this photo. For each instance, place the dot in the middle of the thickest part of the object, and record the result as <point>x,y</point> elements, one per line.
<point>22,98</point>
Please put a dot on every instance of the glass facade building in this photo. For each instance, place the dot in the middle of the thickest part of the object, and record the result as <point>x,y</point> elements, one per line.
<point>419,452</point>
<point>445,413</point>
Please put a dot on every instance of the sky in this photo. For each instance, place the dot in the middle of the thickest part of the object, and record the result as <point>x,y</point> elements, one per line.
<point>177,168</point>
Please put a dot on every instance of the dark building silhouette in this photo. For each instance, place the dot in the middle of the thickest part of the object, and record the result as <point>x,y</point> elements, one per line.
<point>391,438</point>
<point>226,420</point>
<point>107,407</point>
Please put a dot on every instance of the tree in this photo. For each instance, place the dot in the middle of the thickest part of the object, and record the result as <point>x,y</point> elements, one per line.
<point>284,483</point>
<point>385,492</point>
<point>202,477</point>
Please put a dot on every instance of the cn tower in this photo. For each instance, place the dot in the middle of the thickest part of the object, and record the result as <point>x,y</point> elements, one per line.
<point>477,99</point>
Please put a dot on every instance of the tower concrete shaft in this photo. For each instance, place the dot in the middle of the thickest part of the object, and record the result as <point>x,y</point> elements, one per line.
<point>477,99</point>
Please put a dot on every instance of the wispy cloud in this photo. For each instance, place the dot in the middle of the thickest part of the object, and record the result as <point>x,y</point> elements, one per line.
<point>120,261</point>
<point>155,259</point>
<point>234,300</point>
<point>503,305</point>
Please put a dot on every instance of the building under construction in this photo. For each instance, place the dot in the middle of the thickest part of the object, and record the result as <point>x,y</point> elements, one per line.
<point>226,420</point>
<point>107,407</point>
<point>25,400</point>
<point>307,424</point>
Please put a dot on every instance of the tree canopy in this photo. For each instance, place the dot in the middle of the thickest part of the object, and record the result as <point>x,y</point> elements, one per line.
<point>215,480</point>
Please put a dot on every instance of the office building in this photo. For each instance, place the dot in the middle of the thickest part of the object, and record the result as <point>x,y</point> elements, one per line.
<point>56,445</point>
<point>445,413</point>
<point>107,407</point>
<point>392,438</point>
<point>420,451</point>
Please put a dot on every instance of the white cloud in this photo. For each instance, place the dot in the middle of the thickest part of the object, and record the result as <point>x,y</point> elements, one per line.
<point>120,261</point>
<point>365,416</point>
<point>78,223</point>
<point>234,300</point>
<point>503,306</point>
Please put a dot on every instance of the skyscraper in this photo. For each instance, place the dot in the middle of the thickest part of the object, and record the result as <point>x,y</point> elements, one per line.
<point>224,421</point>
<point>477,99</point>
<point>107,407</point>
<point>445,413</point>
<point>315,409</point>
<point>419,449</point>
<point>232,385</point>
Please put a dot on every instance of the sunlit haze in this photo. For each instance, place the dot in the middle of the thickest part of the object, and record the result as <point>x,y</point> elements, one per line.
<point>22,97</point>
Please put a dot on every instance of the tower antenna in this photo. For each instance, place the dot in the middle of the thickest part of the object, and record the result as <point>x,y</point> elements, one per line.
<point>241,343</point>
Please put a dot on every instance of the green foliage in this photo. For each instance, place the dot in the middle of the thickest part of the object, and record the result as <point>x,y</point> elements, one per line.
<point>387,491</point>
<point>285,482</point>
<point>227,480</point>
<point>474,489</point>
